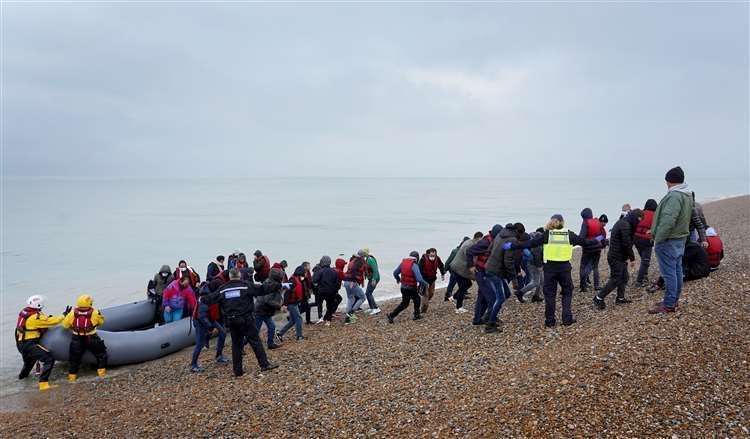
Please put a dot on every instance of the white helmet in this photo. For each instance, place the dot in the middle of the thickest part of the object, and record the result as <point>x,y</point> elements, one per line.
<point>36,301</point>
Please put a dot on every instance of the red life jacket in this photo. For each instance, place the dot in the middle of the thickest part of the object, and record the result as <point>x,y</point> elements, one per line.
<point>594,228</point>
<point>193,276</point>
<point>21,322</point>
<point>297,292</point>
<point>481,261</point>
<point>214,312</point>
<point>407,275</point>
<point>240,264</point>
<point>430,268</point>
<point>715,250</point>
<point>82,323</point>
<point>643,229</point>
<point>356,271</point>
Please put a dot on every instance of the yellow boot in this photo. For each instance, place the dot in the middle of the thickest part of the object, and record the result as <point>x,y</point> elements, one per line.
<point>44,385</point>
<point>101,372</point>
<point>72,377</point>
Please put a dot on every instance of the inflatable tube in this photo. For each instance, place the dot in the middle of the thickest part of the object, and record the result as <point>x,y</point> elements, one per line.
<point>129,317</point>
<point>125,346</point>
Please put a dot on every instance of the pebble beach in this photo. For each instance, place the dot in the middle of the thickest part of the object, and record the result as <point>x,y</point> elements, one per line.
<point>615,373</point>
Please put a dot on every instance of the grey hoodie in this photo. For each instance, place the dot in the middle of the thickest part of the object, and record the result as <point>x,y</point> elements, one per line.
<point>459,263</point>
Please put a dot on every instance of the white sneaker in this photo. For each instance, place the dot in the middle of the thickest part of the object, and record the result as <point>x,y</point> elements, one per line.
<point>451,299</point>
<point>319,321</point>
<point>461,310</point>
<point>374,311</point>
<point>368,312</point>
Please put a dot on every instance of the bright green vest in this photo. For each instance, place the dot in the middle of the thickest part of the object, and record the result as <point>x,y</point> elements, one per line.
<point>558,247</point>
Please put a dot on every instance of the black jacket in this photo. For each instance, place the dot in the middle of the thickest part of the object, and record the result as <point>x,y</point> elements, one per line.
<point>502,262</point>
<point>621,240</point>
<point>695,262</point>
<point>327,281</point>
<point>236,298</point>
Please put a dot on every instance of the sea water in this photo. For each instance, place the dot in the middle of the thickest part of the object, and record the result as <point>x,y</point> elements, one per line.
<point>108,237</point>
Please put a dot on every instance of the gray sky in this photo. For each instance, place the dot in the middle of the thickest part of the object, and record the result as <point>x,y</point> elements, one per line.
<point>375,89</point>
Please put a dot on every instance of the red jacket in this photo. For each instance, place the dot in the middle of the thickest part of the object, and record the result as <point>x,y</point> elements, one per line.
<point>356,271</point>
<point>643,229</point>
<point>715,251</point>
<point>340,264</point>
<point>296,293</point>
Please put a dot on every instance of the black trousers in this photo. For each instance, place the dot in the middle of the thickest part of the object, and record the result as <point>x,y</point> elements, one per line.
<point>407,295</point>
<point>332,304</point>
<point>243,331</point>
<point>463,286</point>
<point>304,307</point>
<point>554,276</point>
<point>319,304</point>
<point>31,352</point>
<point>618,278</point>
<point>79,344</point>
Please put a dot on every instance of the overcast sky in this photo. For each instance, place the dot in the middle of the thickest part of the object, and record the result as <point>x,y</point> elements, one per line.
<point>375,89</point>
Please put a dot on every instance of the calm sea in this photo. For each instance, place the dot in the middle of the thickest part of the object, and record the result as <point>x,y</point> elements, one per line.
<point>107,237</point>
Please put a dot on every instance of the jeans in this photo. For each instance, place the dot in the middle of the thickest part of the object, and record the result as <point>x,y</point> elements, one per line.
<point>485,297</point>
<point>270,327</point>
<point>407,295</point>
<point>201,337</point>
<point>452,281</point>
<point>589,264</point>
<point>295,319</point>
<point>498,287</point>
<point>534,275</point>
<point>669,254</point>
<point>371,284</point>
<point>618,278</point>
<point>553,276</point>
<point>355,297</point>
<point>645,248</point>
<point>172,316</point>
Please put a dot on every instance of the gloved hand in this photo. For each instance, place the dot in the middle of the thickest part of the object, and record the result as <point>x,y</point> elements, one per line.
<point>507,246</point>
<point>67,310</point>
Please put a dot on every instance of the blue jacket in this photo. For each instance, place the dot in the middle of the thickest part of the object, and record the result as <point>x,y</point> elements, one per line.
<point>414,269</point>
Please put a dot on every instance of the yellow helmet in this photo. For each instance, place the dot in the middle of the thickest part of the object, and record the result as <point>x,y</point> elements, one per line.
<point>84,301</point>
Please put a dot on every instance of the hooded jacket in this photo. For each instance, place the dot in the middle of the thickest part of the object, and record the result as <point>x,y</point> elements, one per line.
<point>459,264</point>
<point>588,216</point>
<point>262,266</point>
<point>162,279</point>
<point>327,280</point>
<point>673,215</point>
<point>643,229</point>
<point>502,262</point>
<point>177,297</point>
<point>621,239</point>
<point>478,254</point>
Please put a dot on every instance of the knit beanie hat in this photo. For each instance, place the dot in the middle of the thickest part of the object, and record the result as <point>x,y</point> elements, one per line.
<point>675,175</point>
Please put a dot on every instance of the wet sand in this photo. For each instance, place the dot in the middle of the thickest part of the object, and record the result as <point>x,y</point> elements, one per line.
<point>619,372</point>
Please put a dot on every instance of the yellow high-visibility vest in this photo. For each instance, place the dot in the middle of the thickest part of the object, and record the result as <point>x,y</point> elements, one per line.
<point>558,247</point>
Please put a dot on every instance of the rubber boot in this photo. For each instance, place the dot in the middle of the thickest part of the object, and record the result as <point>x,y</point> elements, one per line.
<point>101,372</point>
<point>72,377</point>
<point>45,385</point>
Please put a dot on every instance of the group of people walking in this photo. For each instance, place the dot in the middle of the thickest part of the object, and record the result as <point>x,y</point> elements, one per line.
<point>241,296</point>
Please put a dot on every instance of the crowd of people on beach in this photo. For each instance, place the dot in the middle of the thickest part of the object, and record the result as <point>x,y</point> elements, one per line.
<point>239,297</point>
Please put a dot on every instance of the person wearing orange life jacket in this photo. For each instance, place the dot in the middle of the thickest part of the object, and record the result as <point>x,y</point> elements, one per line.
<point>591,228</point>
<point>715,248</point>
<point>82,322</point>
<point>30,327</point>
<point>429,264</point>
<point>183,269</point>
<point>408,275</point>
<point>644,242</point>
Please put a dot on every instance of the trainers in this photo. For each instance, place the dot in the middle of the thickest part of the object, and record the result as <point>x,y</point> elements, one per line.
<point>519,295</point>
<point>269,366</point>
<point>196,369</point>
<point>451,299</point>
<point>461,310</point>
<point>569,322</point>
<point>319,321</point>
<point>491,328</point>
<point>328,323</point>
<point>537,299</point>
<point>622,301</point>
<point>652,288</point>
<point>389,318</point>
<point>222,360</point>
<point>301,338</point>
<point>417,317</point>
<point>374,311</point>
<point>599,303</point>
<point>660,309</point>
<point>550,324</point>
